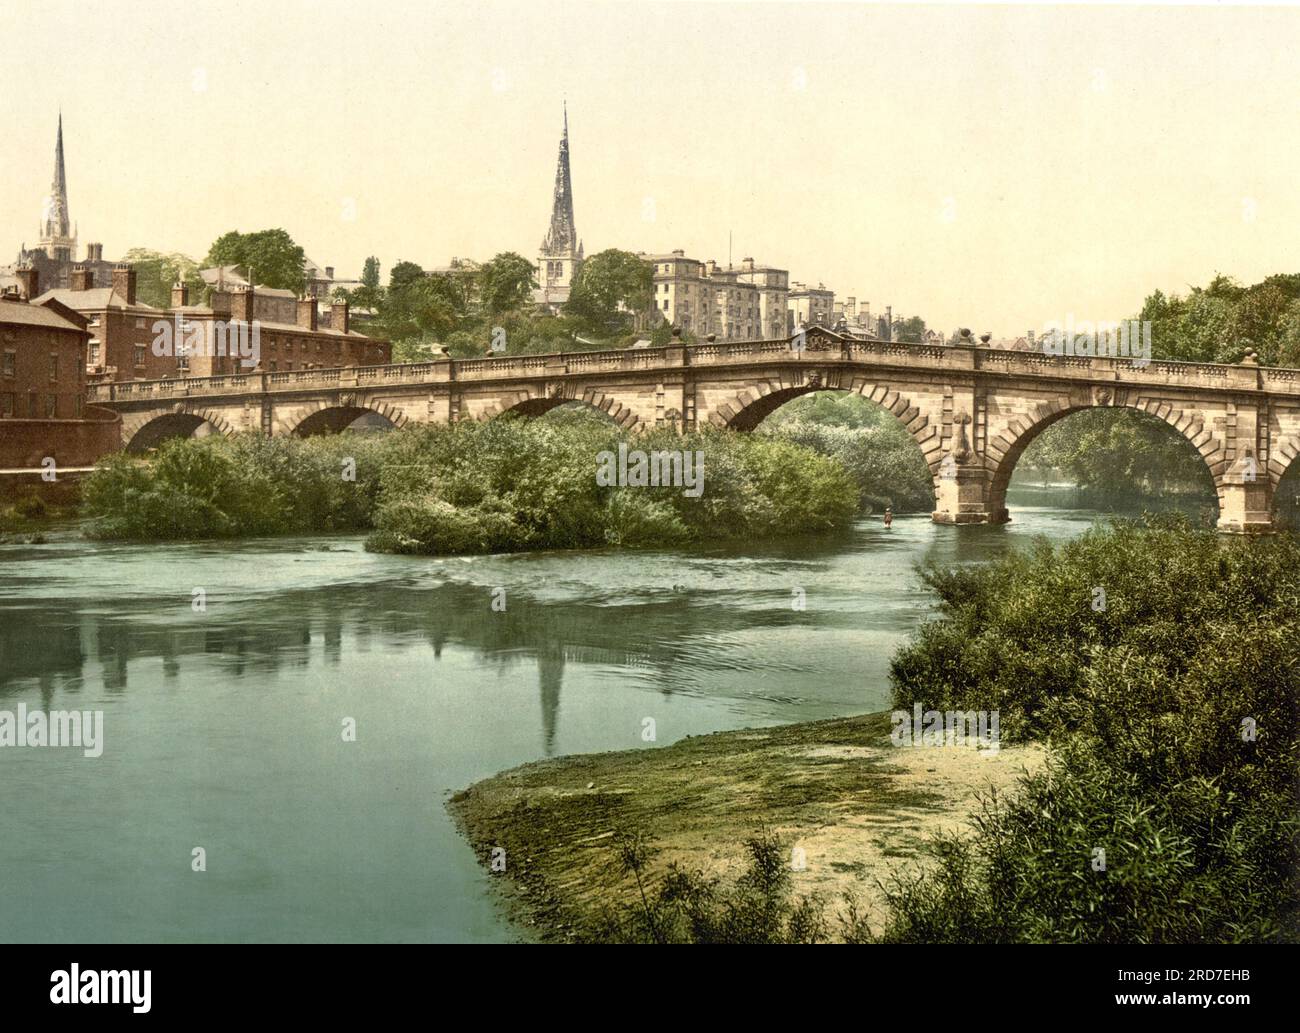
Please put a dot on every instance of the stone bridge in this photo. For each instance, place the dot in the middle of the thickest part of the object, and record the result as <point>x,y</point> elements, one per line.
<point>971,409</point>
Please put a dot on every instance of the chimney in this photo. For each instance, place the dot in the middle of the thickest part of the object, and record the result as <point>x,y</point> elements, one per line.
<point>219,302</point>
<point>851,306</point>
<point>710,267</point>
<point>339,317</point>
<point>747,265</point>
<point>124,281</point>
<point>94,252</point>
<point>180,294</point>
<point>29,281</point>
<point>82,279</point>
<point>307,313</point>
<point>679,253</point>
<point>329,272</point>
<point>241,305</point>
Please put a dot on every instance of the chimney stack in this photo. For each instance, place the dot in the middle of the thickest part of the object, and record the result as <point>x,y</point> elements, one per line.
<point>339,317</point>
<point>82,279</point>
<point>124,281</point>
<point>29,280</point>
<point>241,306</point>
<point>329,272</point>
<point>851,307</point>
<point>94,252</point>
<point>307,313</point>
<point>180,294</point>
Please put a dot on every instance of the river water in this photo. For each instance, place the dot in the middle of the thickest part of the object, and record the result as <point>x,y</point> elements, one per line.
<point>224,729</point>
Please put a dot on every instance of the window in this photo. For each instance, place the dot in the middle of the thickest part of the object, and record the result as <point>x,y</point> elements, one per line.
<point>94,353</point>
<point>139,357</point>
<point>54,365</point>
<point>7,404</point>
<point>274,365</point>
<point>76,406</point>
<point>10,359</point>
<point>51,406</point>
<point>33,405</point>
<point>139,322</point>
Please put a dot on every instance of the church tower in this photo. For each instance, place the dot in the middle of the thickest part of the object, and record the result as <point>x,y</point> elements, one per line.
<point>58,238</point>
<point>561,253</point>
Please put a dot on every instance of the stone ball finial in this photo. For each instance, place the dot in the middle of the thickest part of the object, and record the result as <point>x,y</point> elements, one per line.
<point>965,333</point>
<point>677,333</point>
<point>1251,358</point>
<point>985,338</point>
<point>711,338</point>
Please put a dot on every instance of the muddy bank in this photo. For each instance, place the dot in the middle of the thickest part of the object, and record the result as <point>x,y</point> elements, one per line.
<point>857,807</point>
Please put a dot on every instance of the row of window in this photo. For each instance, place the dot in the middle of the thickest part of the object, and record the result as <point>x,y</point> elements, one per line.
<point>9,366</point>
<point>38,406</point>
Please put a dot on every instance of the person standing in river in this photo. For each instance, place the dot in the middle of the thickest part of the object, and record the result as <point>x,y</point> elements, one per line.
<point>889,516</point>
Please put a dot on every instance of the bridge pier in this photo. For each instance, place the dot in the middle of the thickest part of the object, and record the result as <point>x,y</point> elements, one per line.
<point>963,495</point>
<point>1246,501</point>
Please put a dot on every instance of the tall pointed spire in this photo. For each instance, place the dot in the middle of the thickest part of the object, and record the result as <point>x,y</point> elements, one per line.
<point>60,186</point>
<point>562,237</point>
<point>57,235</point>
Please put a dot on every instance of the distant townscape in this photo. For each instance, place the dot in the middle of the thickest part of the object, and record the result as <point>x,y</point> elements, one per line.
<point>71,323</point>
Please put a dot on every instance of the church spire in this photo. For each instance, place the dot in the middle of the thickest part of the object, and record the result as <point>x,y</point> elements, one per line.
<point>562,236</point>
<point>57,235</point>
<point>60,185</point>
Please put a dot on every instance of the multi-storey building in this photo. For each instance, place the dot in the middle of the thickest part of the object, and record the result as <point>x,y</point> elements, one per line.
<point>43,417</point>
<point>773,297</point>
<point>120,326</point>
<point>810,306</point>
<point>132,341</point>
<point>744,304</point>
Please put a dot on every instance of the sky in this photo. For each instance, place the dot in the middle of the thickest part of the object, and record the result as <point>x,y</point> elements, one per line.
<point>999,168</point>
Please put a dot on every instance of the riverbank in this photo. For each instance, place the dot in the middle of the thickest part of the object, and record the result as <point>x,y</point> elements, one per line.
<point>859,808</point>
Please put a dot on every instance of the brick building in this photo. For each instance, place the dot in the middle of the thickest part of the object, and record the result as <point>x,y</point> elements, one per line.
<point>121,327</point>
<point>133,341</point>
<point>43,386</point>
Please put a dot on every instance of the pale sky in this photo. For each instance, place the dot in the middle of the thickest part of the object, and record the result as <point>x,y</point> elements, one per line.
<point>992,167</point>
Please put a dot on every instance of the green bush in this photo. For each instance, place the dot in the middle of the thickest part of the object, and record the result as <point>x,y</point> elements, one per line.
<point>503,485</point>
<point>1173,718</point>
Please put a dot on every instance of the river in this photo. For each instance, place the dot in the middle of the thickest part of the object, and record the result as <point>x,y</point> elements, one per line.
<point>224,728</point>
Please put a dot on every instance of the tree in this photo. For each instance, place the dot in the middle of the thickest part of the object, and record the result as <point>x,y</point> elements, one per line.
<point>610,290</point>
<point>506,283</point>
<point>910,330</point>
<point>156,273</point>
<point>268,257</point>
<point>370,273</point>
<point>402,275</point>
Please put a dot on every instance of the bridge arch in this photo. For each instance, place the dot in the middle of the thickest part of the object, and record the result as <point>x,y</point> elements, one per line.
<point>533,403</point>
<point>333,417</point>
<point>748,408</point>
<point>1006,448</point>
<point>144,431</point>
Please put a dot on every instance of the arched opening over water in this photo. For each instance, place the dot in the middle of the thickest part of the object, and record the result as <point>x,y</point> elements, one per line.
<point>172,425</point>
<point>1116,459</point>
<point>872,442</point>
